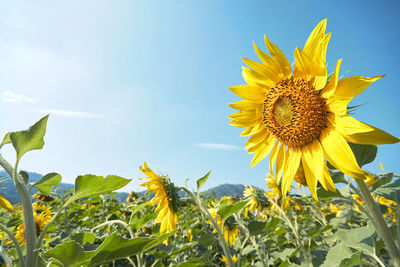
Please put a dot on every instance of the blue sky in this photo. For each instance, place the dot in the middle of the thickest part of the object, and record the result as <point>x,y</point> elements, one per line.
<point>133,81</point>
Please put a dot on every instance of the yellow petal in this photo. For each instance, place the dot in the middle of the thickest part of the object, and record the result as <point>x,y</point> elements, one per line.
<point>292,162</point>
<point>326,180</point>
<point>268,72</point>
<point>245,115</point>
<point>245,123</point>
<point>312,158</point>
<point>338,104</point>
<point>352,86</point>
<point>249,92</point>
<point>256,78</point>
<point>5,204</point>
<point>331,87</point>
<point>245,105</point>
<point>339,154</point>
<point>272,157</point>
<point>263,150</point>
<point>280,162</point>
<point>252,130</point>
<point>309,69</point>
<point>269,62</point>
<point>256,139</point>
<point>358,132</point>
<point>279,58</point>
<point>316,43</point>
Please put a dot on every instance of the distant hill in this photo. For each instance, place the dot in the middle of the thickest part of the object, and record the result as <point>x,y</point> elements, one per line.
<point>8,190</point>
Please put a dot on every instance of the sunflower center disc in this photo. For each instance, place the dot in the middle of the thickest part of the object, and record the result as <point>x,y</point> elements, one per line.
<point>294,112</point>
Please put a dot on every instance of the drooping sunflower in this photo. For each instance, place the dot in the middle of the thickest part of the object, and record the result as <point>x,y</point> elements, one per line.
<point>301,117</point>
<point>257,199</point>
<point>41,215</point>
<point>165,196</point>
<point>224,259</point>
<point>229,227</point>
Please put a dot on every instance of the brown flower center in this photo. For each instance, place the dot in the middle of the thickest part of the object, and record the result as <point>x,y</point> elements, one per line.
<point>294,112</point>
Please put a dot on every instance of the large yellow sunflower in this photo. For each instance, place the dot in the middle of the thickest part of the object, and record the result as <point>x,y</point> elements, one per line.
<point>301,117</point>
<point>165,197</point>
<point>257,199</point>
<point>41,214</point>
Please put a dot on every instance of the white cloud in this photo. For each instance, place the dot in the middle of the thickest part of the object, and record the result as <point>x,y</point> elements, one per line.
<point>10,97</point>
<point>216,146</point>
<point>68,113</point>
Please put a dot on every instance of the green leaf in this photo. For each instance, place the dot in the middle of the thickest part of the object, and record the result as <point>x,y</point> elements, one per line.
<point>45,185</point>
<point>324,194</point>
<point>6,140</point>
<point>382,179</point>
<point>202,180</point>
<point>24,176</point>
<point>284,254</point>
<point>84,237</point>
<point>338,177</point>
<point>31,139</point>
<point>272,224</point>
<point>390,191</point>
<point>355,260</point>
<point>362,238</point>
<point>207,240</point>
<point>364,153</point>
<point>256,227</point>
<point>90,186</point>
<point>227,211</point>
<point>336,255</point>
<point>113,247</point>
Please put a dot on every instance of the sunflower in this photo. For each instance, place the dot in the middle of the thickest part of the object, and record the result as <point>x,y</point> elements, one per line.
<point>5,204</point>
<point>165,196</point>
<point>301,117</point>
<point>41,214</point>
<point>277,198</point>
<point>224,259</point>
<point>257,201</point>
<point>229,227</point>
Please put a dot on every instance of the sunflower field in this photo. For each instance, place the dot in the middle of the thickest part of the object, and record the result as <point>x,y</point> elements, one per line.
<point>318,206</point>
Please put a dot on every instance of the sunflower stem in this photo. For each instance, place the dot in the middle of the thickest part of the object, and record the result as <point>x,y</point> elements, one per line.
<point>16,244</point>
<point>27,211</point>
<point>253,240</point>
<point>379,223</point>
<point>306,255</point>
<point>221,238</point>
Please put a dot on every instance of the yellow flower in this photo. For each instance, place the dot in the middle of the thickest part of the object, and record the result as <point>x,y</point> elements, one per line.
<point>301,117</point>
<point>43,198</point>
<point>5,204</point>
<point>229,227</point>
<point>224,259</point>
<point>190,236</point>
<point>257,201</point>
<point>334,209</point>
<point>41,214</point>
<point>165,197</point>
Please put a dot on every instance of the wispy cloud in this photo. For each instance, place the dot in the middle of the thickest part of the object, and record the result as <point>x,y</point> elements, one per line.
<point>216,146</point>
<point>68,113</point>
<point>10,97</point>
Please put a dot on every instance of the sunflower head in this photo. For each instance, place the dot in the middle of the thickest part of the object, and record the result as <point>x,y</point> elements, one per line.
<point>257,199</point>
<point>165,197</point>
<point>300,116</point>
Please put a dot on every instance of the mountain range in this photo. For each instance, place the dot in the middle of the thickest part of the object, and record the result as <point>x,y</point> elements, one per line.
<point>8,190</point>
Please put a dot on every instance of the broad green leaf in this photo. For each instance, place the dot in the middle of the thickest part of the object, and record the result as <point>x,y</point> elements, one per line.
<point>194,263</point>
<point>45,185</point>
<point>84,237</point>
<point>31,139</point>
<point>345,191</point>
<point>390,191</point>
<point>138,223</point>
<point>284,254</point>
<point>362,238</point>
<point>272,224</point>
<point>355,260</point>
<point>256,227</point>
<point>338,177</point>
<point>336,255</point>
<point>5,204</point>
<point>324,194</point>
<point>382,179</point>
<point>227,211</point>
<point>6,140</point>
<point>202,180</point>
<point>113,247</point>
<point>207,240</point>
<point>91,185</point>
<point>364,153</point>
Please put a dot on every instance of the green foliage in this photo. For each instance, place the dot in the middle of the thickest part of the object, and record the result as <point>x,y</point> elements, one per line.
<point>364,153</point>
<point>202,181</point>
<point>390,191</point>
<point>45,185</point>
<point>31,139</point>
<point>229,210</point>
